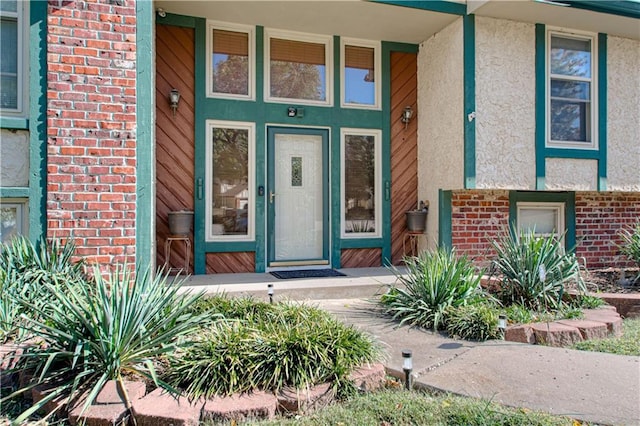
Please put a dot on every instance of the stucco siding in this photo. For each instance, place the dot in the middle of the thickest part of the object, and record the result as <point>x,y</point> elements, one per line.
<point>505,104</point>
<point>571,174</point>
<point>14,158</point>
<point>623,114</point>
<point>440,112</point>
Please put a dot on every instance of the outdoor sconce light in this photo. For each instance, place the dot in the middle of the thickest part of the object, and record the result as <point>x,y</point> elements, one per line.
<point>407,114</point>
<point>270,292</point>
<point>502,322</point>
<point>174,98</point>
<point>407,367</point>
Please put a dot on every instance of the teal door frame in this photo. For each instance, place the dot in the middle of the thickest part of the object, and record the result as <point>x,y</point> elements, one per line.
<point>271,219</point>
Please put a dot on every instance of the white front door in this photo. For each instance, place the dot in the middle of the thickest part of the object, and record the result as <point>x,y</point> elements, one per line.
<point>297,198</point>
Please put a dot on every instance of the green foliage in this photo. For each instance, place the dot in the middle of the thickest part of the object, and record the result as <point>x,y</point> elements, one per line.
<point>585,301</point>
<point>93,334</point>
<point>434,282</point>
<point>265,346</point>
<point>534,270</point>
<point>630,246</point>
<point>473,322</point>
<point>518,314</point>
<point>27,273</point>
<point>627,344</point>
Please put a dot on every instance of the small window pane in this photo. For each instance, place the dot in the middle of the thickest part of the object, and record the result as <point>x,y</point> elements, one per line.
<point>9,63</point>
<point>544,221</point>
<point>570,121</point>
<point>359,84</point>
<point>297,70</point>
<point>571,56</point>
<point>359,184</point>
<point>230,181</point>
<point>296,171</point>
<point>8,6</point>
<point>571,89</point>
<point>10,222</point>
<point>230,62</point>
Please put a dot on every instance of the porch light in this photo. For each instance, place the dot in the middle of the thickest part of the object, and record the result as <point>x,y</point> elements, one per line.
<point>407,114</point>
<point>174,98</point>
<point>407,367</point>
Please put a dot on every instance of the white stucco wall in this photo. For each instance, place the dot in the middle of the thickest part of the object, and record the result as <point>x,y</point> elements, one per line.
<point>505,104</point>
<point>623,114</point>
<point>571,174</point>
<point>440,109</point>
<point>14,158</point>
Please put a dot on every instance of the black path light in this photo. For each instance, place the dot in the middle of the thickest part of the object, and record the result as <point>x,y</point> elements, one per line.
<point>270,292</point>
<point>407,366</point>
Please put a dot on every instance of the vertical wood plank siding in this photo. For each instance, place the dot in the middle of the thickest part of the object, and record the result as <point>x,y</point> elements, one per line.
<point>175,58</point>
<point>404,147</point>
<point>360,258</point>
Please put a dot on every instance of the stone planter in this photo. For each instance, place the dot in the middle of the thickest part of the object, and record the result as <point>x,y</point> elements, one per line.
<point>180,222</point>
<point>416,220</point>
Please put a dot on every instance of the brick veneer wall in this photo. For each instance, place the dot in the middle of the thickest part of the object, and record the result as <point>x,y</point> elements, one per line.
<point>91,124</point>
<point>477,216</point>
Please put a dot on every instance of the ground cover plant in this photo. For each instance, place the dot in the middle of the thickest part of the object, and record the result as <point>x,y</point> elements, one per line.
<point>269,346</point>
<point>627,344</point>
<point>631,242</point>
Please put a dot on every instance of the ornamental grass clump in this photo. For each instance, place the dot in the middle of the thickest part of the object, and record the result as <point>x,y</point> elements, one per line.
<point>434,282</point>
<point>269,346</point>
<point>630,246</point>
<point>473,322</point>
<point>114,327</point>
<point>534,270</point>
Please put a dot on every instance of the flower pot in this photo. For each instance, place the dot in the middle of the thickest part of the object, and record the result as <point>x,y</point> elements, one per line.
<point>416,220</point>
<point>180,222</point>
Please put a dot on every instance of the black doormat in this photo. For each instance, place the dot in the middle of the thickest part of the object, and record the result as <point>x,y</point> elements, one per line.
<point>308,273</point>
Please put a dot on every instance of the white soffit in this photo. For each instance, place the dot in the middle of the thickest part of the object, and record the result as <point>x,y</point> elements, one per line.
<point>347,18</point>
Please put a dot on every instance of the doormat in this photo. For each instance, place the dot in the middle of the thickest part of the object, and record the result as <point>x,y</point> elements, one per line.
<point>308,273</point>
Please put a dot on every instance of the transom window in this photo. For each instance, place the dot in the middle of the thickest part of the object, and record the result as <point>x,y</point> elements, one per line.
<point>230,181</point>
<point>571,91</point>
<point>12,55</point>
<point>360,186</point>
<point>231,71</point>
<point>544,218</point>
<point>298,68</point>
<point>360,61</point>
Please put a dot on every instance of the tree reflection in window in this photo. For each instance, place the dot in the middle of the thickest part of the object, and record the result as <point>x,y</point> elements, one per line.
<point>359,184</point>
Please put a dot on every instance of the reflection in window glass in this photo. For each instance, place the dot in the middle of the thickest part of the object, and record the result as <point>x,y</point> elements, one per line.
<point>545,219</point>
<point>297,70</point>
<point>230,181</point>
<point>9,82</point>
<point>359,75</point>
<point>10,221</point>
<point>359,184</point>
<point>230,62</point>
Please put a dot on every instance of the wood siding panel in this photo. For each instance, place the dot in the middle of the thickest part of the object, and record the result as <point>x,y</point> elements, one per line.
<point>361,258</point>
<point>404,147</point>
<point>225,263</point>
<point>175,146</point>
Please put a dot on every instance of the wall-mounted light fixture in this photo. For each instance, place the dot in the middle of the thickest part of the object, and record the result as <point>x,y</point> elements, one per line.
<point>174,98</point>
<point>161,12</point>
<point>407,114</point>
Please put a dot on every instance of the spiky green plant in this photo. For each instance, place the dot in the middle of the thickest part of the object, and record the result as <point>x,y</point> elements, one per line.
<point>434,281</point>
<point>534,269</point>
<point>98,333</point>
<point>630,246</point>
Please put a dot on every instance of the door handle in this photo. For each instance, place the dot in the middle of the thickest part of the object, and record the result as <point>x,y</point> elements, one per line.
<point>199,188</point>
<point>271,196</point>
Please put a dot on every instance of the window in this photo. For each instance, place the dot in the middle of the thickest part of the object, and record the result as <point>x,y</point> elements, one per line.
<point>544,218</point>
<point>13,219</point>
<point>298,68</point>
<point>571,91</point>
<point>13,56</point>
<point>230,181</point>
<point>231,71</point>
<point>360,186</point>
<point>360,73</point>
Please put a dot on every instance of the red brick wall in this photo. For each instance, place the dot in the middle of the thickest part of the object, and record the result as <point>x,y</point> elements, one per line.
<point>91,123</point>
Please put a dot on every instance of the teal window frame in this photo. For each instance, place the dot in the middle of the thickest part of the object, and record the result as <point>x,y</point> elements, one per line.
<point>21,17</point>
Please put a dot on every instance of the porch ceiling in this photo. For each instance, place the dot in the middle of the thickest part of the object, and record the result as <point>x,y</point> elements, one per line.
<point>347,18</point>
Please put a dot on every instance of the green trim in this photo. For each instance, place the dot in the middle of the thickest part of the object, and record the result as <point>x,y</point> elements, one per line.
<point>541,105</point>
<point>568,198</point>
<point>144,133</point>
<point>629,9</point>
<point>584,154</point>
<point>602,111</point>
<point>227,247</point>
<point>469,58</point>
<point>16,123</point>
<point>348,243</point>
<point>37,120</point>
<point>9,192</point>
<point>334,155</point>
<point>261,162</point>
<point>444,219</point>
<point>391,46</point>
<point>430,5</point>
<point>176,20</point>
<point>385,148</point>
<point>200,151</point>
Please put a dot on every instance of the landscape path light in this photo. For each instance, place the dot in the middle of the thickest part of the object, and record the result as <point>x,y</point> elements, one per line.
<point>407,366</point>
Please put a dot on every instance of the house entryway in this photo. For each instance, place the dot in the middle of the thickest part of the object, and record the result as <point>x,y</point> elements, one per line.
<point>297,197</point>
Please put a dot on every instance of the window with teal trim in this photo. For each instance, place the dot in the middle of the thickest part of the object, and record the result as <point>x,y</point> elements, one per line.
<point>571,91</point>
<point>545,219</point>
<point>13,56</point>
<point>360,81</point>
<point>13,218</point>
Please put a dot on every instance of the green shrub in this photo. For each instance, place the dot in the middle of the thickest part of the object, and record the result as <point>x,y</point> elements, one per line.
<point>630,246</point>
<point>275,346</point>
<point>534,270</point>
<point>434,282</point>
<point>473,322</point>
<point>585,301</point>
<point>98,333</point>
<point>518,314</point>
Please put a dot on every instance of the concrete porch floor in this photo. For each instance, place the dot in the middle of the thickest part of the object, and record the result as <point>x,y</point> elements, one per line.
<point>358,283</point>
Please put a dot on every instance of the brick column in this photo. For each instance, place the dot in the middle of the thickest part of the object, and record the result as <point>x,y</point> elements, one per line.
<point>91,127</point>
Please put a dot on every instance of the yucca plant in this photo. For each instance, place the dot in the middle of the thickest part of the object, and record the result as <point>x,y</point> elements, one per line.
<point>97,333</point>
<point>434,282</point>
<point>630,246</point>
<point>534,269</point>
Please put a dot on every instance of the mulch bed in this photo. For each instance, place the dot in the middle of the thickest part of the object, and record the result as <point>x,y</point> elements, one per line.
<point>613,280</point>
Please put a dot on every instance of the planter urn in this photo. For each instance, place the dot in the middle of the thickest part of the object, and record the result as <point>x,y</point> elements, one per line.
<point>416,220</point>
<point>180,222</point>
